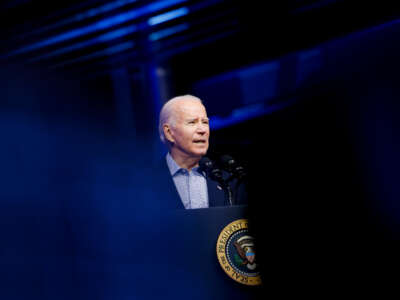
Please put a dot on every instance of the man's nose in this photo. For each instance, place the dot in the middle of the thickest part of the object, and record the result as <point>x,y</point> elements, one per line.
<point>202,128</point>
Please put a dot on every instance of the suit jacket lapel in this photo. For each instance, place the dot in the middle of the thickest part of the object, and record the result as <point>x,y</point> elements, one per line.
<point>171,193</point>
<point>216,195</point>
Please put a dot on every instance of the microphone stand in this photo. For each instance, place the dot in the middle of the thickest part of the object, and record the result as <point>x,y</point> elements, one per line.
<point>236,188</point>
<point>215,174</point>
<point>228,190</point>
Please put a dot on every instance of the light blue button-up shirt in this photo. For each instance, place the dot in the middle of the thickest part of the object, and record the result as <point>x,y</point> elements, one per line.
<point>191,185</point>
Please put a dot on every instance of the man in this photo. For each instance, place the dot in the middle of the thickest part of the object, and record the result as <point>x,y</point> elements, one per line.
<point>184,129</point>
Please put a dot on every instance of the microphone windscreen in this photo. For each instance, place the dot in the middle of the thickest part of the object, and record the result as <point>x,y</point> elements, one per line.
<point>232,166</point>
<point>228,162</point>
<point>205,163</point>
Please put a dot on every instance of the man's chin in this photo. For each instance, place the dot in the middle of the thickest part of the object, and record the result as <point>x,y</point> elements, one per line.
<point>200,151</point>
<point>199,154</point>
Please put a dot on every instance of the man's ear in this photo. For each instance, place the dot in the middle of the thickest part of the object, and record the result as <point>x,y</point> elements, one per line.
<point>168,133</point>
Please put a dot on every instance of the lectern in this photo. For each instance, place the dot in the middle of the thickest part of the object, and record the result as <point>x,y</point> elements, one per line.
<point>201,247</point>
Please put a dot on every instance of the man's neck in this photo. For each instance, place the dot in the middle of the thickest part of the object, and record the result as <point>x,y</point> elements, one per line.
<point>187,163</point>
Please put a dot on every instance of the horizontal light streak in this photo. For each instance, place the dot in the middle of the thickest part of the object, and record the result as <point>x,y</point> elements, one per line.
<point>168,16</point>
<point>100,39</point>
<point>167,32</point>
<point>81,16</point>
<point>106,52</point>
<point>100,25</point>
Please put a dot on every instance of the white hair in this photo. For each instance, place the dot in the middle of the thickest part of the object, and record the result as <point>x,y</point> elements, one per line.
<point>167,116</point>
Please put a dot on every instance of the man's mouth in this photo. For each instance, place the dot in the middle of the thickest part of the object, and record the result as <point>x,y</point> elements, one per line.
<point>199,141</point>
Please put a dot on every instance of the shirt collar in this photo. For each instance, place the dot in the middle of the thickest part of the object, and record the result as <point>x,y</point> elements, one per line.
<point>175,168</point>
<point>172,165</point>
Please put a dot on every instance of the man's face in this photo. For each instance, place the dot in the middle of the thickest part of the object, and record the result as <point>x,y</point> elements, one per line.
<point>190,131</point>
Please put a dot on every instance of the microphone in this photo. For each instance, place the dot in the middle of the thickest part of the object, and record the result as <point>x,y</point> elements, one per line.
<point>211,170</point>
<point>215,174</point>
<point>229,164</point>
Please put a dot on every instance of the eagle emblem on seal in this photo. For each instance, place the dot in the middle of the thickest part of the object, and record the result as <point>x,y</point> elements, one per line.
<point>245,249</point>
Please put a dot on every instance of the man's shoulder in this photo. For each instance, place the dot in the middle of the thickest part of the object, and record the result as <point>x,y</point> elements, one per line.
<point>161,166</point>
<point>163,186</point>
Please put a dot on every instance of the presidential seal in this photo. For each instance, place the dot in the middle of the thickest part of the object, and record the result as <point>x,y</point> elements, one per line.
<point>236,253</point>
